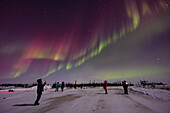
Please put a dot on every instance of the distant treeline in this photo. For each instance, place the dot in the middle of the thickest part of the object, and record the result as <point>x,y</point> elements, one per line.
<point>71,85</point>
<point>68,85</point>
<point>18,85</point>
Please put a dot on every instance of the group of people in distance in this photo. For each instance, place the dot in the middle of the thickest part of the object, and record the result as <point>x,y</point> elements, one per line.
<point>58,85</point>
<point>40,88</point>
<point>125,87</point>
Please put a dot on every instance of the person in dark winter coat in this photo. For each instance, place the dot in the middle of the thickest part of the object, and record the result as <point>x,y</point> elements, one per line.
<point>40,89</point>
<point>62,86</point>
<point>125,87</point>
<point>105,86</point>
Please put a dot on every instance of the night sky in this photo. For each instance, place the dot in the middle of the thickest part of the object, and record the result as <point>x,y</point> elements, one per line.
<point>84,40</point>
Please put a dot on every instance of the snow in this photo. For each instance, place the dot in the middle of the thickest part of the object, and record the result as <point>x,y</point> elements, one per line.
<point>89,100</point>
<point>154,93</point>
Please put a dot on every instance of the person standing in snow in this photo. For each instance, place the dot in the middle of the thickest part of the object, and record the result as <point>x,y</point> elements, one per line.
<point>125,87</point>
<point>62,86</point>
<point>105,86</point>
<point>39,90</point>
<point>57,86</point>
<point>75,85</point>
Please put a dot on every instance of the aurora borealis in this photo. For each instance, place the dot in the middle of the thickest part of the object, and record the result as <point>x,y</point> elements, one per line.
<point>84,39</point>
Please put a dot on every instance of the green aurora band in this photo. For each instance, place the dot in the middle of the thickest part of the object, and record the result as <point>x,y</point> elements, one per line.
<point>134,17</point>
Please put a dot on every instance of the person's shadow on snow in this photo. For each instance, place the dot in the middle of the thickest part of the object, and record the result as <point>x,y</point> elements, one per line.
<point>23,105</point>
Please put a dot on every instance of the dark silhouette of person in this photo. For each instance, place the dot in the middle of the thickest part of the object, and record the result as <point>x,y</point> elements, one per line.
<point>105,86</point>
<point>62,86</point>
<point>75,85</point>
<point>125,87</point>
<point>40,89</point>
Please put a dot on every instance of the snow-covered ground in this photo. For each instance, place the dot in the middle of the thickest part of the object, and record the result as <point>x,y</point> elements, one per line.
<point>160,94</point>
<point>89,100</point>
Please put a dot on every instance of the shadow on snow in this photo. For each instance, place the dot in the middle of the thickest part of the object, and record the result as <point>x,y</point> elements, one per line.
<point>23,105</point>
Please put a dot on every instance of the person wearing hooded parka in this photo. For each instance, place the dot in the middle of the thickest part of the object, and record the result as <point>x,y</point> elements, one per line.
<point>40,89</point>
